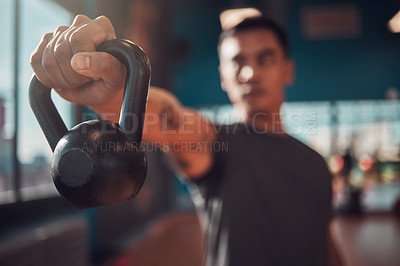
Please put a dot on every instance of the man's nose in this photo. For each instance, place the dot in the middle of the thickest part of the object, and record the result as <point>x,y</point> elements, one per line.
<point>247,74</point>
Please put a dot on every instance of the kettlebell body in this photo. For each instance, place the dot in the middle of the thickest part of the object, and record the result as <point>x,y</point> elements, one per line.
<point>107,166</point>
<point>99,162</point>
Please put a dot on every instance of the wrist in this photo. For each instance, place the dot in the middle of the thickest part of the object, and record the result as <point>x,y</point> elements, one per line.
<point>111,109</point>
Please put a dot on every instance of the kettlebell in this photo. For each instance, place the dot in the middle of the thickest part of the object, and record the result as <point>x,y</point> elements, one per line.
<point>99,162</point>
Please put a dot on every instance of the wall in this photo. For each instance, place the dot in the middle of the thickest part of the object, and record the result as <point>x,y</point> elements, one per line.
<point>348,68</point>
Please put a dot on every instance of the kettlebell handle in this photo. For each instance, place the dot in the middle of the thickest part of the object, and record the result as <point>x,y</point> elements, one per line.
<point>134,102</point>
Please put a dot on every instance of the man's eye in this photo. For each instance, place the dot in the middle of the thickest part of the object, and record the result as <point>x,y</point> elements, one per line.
<point>238,61</point>
<point>266,59</point>
<point>236,65</point>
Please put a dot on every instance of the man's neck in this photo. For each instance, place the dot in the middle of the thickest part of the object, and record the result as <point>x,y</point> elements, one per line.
<point>265,122</point>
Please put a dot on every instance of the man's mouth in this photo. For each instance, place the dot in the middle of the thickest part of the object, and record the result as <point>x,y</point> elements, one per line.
<point>253,92</point>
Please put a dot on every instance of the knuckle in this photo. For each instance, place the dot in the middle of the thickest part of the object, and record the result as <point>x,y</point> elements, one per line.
<point>106,24</point>
<point>47,36</point>
<point>35,58</point>
<point>76,38</point>
<point>61,50</point>
<point>60,29</point>
<point>67,34</point>
<point>36,55</point>
<point>104,19</point>
<point>80,18</point>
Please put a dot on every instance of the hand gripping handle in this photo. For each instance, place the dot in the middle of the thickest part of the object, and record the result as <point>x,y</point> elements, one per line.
<point>134,102</point>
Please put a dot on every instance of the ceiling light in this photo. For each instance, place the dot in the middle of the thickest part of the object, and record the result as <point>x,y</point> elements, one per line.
<point>231,17</point>
<point>394,23</point>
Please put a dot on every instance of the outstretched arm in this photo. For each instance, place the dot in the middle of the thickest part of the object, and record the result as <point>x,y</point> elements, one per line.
<point>67,61</point>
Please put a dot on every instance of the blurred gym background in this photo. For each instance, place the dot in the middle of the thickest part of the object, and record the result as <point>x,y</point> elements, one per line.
<point>344,104</point>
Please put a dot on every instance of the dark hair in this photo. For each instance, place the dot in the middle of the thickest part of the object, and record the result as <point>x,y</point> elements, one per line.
<point>256,23</point>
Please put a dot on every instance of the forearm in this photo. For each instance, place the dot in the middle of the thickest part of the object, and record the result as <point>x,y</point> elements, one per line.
<point>182,132</point>
<point>112,109</point>
<point>167,121</point>
<point>165,117</point>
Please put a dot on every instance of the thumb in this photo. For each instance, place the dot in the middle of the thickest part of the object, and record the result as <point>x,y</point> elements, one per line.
<point>100,66</point>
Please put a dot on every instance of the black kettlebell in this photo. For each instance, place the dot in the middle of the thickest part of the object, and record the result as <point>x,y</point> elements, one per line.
<point>99,162</point>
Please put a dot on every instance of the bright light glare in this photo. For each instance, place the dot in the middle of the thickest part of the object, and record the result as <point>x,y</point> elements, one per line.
<point>394,23</point>
<point>231,17</point>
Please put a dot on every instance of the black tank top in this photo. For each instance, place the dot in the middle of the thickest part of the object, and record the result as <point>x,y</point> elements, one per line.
<point>265,201</point>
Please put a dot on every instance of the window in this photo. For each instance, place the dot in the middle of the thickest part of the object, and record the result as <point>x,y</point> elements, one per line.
<point>6,99</point>
<point>36,17</point>
<point>368,130</point>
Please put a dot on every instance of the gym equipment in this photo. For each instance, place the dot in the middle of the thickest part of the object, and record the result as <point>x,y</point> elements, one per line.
<point>99,162</point>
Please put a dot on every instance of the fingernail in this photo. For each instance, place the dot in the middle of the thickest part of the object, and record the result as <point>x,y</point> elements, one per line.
<point>82,62</point>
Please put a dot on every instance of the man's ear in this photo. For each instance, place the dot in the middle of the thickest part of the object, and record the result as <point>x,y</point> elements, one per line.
<point>221,78</point>
<point>290,72</point>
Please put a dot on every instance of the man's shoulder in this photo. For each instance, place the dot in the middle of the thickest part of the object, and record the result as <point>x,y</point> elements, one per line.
<point>308,157</point>
<point>306,149</point>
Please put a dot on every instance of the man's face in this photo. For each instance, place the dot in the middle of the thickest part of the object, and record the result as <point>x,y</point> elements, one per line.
<point>255,71</point>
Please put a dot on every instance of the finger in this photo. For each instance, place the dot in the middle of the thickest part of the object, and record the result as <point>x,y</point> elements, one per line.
<point>90,35</point>
<point>63,55</point>
<point>100,65</point>
<point>79,20</point>
<point>63,52</point>
<point>51,67</point>
<point>36,61</point>
<point>59,30</point>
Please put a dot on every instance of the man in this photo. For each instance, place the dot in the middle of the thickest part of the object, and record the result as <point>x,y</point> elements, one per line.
<point>266,199</point>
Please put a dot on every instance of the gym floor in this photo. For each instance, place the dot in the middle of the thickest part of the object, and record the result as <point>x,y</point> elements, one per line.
<point>368,240</point>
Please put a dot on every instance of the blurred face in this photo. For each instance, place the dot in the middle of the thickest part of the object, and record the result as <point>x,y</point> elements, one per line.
<point>255,71</point>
